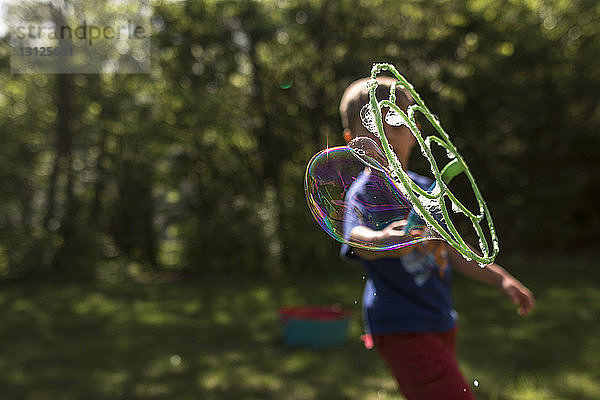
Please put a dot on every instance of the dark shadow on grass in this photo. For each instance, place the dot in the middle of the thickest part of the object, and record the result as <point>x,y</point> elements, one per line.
<point>214,339</point>
<point>221,339</point>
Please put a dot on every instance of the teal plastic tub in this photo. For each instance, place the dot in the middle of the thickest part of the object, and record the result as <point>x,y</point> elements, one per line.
<point>314,326</point>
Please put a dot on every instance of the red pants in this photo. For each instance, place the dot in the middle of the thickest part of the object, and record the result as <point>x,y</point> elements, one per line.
<point>424,365</point>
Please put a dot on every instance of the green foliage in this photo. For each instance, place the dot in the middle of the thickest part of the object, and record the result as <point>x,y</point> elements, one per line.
<point>199,164</point>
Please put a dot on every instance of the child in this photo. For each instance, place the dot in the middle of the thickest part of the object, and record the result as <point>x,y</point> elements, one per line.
<point>407,306</point>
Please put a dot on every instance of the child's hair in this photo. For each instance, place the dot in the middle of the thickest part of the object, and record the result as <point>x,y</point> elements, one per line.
<point>357,95</point>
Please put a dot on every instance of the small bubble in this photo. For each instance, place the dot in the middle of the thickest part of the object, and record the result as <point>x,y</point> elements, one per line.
<point>363,277</point>
<point>175,360</point>
<point>476,383</point>
<point>355,302</point>
<point>301,17</point>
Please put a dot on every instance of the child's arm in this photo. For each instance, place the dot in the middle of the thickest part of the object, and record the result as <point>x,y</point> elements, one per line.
<point>495,275</point>
<point>393,233</point>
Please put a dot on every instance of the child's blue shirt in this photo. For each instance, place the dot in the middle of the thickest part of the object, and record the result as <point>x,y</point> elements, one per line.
<point>402,294</point>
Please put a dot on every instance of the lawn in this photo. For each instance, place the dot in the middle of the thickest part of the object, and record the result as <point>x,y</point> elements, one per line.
<point>220,338</point>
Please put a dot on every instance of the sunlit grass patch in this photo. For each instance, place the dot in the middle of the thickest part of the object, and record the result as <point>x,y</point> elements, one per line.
<point>221,339</point>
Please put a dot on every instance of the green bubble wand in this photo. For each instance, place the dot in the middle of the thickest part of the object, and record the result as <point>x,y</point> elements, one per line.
<point>424,201</point>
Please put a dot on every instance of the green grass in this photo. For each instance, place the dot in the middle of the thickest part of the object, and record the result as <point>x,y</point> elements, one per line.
<point>220,339</point>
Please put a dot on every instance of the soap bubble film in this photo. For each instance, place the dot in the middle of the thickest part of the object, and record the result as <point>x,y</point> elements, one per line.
<point>367,118</point>
<point>328,182</point>
<point>393,118</point>
<point>369,153</point>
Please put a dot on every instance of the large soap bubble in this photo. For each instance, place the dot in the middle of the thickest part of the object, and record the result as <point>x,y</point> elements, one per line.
<point>329,176</point>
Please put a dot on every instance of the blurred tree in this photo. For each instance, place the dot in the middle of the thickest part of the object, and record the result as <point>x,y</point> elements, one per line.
<point>200,163</point>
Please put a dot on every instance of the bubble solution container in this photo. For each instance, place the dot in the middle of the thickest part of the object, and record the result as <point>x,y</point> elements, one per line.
<point>314,326</point>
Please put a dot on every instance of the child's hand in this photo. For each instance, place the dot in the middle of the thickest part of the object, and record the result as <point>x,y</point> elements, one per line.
<point>394,231</point>
<point>519,294</point>
<point>390,235</point>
